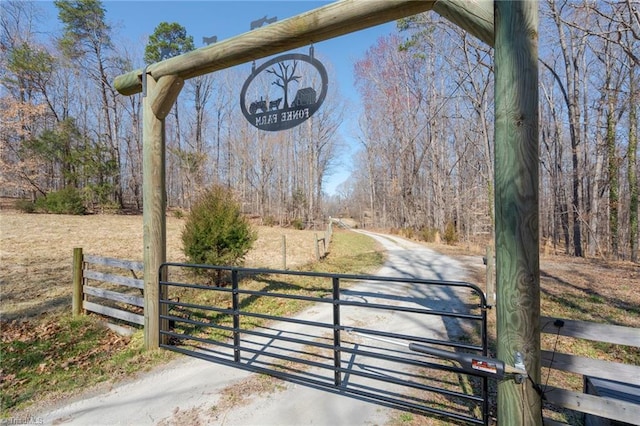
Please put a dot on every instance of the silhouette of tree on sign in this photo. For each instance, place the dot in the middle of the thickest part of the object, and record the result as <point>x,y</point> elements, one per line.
<point>285,76</point>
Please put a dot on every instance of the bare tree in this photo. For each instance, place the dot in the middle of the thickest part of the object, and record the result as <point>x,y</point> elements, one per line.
<point>285,74</point>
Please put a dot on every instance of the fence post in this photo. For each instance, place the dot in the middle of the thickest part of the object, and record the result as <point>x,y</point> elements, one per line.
<point>317,247</point>
<point>78,279</point>
<point>284,252</point>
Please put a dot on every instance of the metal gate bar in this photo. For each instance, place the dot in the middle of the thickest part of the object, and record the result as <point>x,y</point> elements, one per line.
<point>335,345</point>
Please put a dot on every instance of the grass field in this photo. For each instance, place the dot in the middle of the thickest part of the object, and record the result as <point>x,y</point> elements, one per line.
<point>37,251</point>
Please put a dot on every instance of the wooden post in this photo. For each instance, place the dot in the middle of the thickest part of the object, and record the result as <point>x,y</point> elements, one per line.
<point>78,281</point>
<point>317,247</point>
<point>284,252</point>
<point>156,105</point>
<point>516,204</point>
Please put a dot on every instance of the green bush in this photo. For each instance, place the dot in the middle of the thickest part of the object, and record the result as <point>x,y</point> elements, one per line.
<point>428,234</point>
<point>25,206</point>
<point>450,235</point>
<point>215,232</point>
<point>297,224</point>
<point>65,201</point>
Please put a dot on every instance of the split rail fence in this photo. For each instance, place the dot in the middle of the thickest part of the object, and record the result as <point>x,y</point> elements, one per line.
<point>611,390</point>
<point>109,287</point>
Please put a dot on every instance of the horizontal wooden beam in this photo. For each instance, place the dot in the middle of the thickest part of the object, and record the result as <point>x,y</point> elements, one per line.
<point>114,295</point>
<point>592,367</point>
<point>333,20</point>
<point>113,313</point>
<point>607,333</point>
<point>114,279</point>
<point>608,408</point>
<point>116,263</point>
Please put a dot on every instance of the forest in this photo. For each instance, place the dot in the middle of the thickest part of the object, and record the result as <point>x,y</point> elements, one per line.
<point>424,163</point>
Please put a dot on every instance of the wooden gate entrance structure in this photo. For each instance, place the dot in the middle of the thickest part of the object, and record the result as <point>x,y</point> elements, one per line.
<point>511,27</point>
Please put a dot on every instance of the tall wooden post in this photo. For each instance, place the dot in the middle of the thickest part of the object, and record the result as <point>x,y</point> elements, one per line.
<point>78,282</point>
<point>157,102</point>
<point>516,203</point>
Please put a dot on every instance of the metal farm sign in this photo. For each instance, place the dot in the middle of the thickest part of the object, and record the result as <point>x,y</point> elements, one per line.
<point>284,91</point>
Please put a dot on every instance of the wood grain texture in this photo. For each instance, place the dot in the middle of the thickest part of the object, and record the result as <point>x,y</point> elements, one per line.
<point>604,407</point>
<point>165,94</point>
<point>153,213</point>
<point>76,301</point>
<point>116,263</point>
<point>592,367</point>
<point>114,313</point>
<point>475,17</point>
<point>114,295</point>
<point>516,205</point>
<point>616,334</point>
<point>113,278</point>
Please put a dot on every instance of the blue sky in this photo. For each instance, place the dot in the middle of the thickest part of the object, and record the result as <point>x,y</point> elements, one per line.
<point>134,20</point>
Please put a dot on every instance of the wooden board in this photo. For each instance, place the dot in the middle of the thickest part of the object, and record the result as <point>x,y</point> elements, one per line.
<point>592,367</point>
<point>116,263</point>
<point>607,333</point>
<point>604,407</point>
<point>113,278</point>
<point>113,313</point>
<point>114,295</point>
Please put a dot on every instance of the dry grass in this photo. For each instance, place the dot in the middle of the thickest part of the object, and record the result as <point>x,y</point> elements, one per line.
<point>36,253</point>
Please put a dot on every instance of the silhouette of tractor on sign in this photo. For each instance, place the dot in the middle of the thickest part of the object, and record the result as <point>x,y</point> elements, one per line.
<point>262,105</point>
<point>256,105</point>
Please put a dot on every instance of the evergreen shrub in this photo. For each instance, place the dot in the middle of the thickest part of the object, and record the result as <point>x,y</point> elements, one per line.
<point>66,201</point>
<point>215,231</point>
<point>450,235</point>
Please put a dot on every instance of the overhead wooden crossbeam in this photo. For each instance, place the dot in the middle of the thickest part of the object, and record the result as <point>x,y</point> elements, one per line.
<point>334,20</point>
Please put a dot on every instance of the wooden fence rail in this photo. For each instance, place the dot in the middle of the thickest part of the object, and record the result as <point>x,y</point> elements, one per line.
<point>89,297</point>
<point>616,396</point>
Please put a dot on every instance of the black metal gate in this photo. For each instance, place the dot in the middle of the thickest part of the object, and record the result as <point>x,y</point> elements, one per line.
<point>356,335</point>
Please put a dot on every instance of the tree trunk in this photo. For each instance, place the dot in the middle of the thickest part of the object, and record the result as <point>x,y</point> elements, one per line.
<point>632,153</point>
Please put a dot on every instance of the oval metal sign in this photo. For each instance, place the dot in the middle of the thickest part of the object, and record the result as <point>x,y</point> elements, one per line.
<point>284,92</point>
